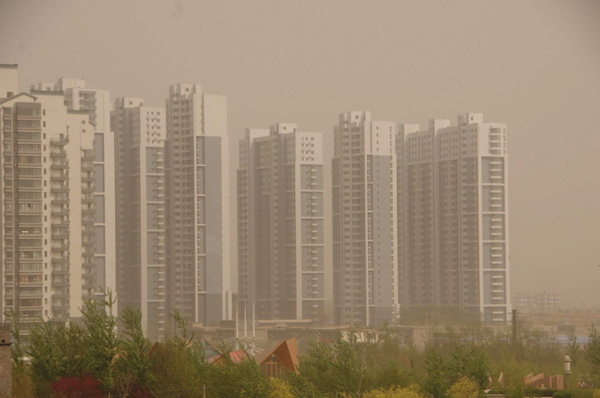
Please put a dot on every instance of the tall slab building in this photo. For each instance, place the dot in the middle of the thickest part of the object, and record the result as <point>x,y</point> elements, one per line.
<point>96,103</point>
<point>281,223</point>
<point>453,217</point>
<point>365,276</point>
<point>140,133</point>
<point>47,213</point>
<point>197,205</point>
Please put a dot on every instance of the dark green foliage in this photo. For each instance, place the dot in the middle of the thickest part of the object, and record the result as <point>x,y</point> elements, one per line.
<point>100,340</point>
<point>446,365</point>
<point>517,390</point>
<point>353,366</point>
<point>56,351</point>
<point>132,366</point>
<point>539,392</point>
<point>574,393</point>
<point>592,353</point>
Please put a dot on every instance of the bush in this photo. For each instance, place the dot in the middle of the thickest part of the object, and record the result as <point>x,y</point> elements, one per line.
<point>394,392</point>
<point>464,388</point>
<point>83,386</point>
<point>540,392</point>
<point>574,393</point>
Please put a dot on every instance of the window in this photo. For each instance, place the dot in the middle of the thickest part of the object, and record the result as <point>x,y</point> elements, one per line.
<point>272,366</point>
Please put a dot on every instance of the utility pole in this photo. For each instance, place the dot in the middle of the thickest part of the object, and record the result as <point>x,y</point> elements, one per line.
<point>253,328</point>
<point>203,390</point>
<point>514,333</point>
<point>237,316</point>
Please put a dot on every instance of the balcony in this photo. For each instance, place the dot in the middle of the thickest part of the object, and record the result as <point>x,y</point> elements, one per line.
<point>59,141</point>
<point>61,177</point>
<point>62,272</point>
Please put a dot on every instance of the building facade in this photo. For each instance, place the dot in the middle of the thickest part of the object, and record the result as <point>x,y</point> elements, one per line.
<point>96,102</point>
<point>453,217</point>
<point>47,213</point>
<point>545,303</point>
<point>281,260</point>
<point>365,265</point>
<point>140,133</point>
<point>197,205</point>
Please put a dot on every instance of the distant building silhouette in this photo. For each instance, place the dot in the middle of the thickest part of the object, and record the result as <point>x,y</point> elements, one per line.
<point>197,205</point>
<point>453,217</point>
<point>56,247</point>
<point>539,302</point>
<point>140,133</point>
<point>281,223</point>
<point>365,262</point>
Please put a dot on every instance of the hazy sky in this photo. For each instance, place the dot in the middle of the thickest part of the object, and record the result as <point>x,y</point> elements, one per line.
<point>534,65</point>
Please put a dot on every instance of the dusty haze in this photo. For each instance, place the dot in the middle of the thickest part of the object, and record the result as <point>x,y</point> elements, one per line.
<point>534,65</point>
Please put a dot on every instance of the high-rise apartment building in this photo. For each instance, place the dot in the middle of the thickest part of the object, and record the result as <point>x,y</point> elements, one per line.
<point>453,217</point>
<point>47,213</point>
<point>365,276</point>
<point>197,205</point>
<point>96,102</point>
<point>281,255</point>
<point>140,133</point>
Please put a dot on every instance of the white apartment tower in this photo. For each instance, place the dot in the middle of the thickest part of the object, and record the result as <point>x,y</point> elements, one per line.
<point>47,214</point>
<point>140,133</point>
<point>197,205</point>
<point>281,260</point>
<point>365,290</point>
<point>96,102</point>
<point>453,217</point>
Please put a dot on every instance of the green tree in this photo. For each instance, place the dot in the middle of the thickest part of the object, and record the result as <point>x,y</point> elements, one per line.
<point>445,369</point>
<point>464,388</point>
<point>279,388</point>
<point>592,352</point>
<point>574,350</point>
<point>100,339</point>
<point>132,366</point>
<point>55,351</point>
<point>175,372</point>
<point>22,385</point>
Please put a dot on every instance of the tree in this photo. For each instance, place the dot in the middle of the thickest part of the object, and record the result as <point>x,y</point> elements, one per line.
<point>132,366</point>
<point>100,340</point>
<point>333,368</point>
<point>55,352</point>
<point>443,370</point>
<point>464,388</point>
<point>279,389</point>
<point>175,372</point>
<point>592,352</point>
<point>574,350</point>
<point>22,385</point>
